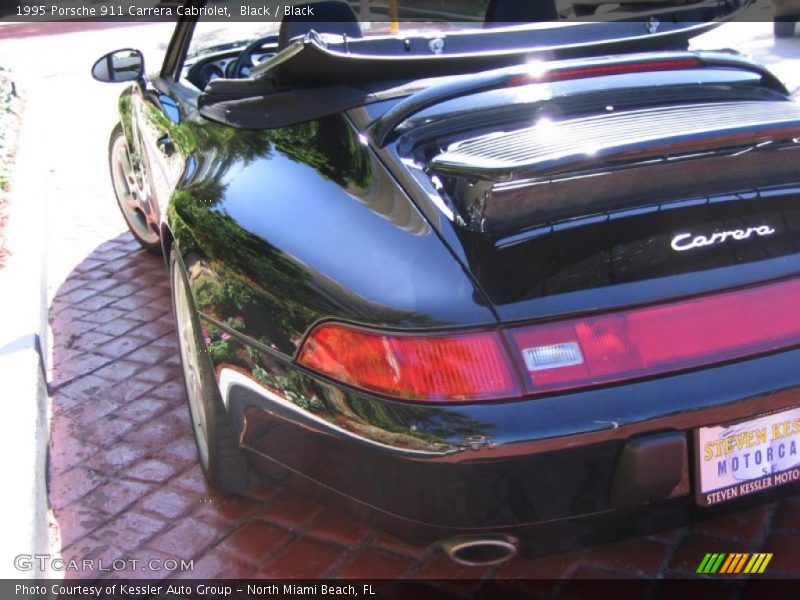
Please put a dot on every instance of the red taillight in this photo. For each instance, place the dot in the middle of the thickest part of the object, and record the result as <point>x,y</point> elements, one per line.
<point>658,339</point>
<point>443,368</point>
<point>560,355</point>
<point>562,73</point>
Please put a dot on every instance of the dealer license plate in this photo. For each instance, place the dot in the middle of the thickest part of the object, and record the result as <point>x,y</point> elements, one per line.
<point>748,457</point>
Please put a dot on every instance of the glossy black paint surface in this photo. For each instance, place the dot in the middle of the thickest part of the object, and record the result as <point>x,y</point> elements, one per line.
<point>634,245</point>
<point>282,229</point>
<point>288,227</point>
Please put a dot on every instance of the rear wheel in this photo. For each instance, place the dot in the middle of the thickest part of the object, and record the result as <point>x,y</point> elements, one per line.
<point>785,27</point>
<point>222,460</point>
<point>134,194</point>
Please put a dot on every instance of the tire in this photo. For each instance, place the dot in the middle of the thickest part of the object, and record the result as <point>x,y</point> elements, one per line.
<point>785,27</point>
<point>128,193</point>
<point>222,460</point>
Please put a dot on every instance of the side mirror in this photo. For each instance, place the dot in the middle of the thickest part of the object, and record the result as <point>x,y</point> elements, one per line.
<point>120,65</point>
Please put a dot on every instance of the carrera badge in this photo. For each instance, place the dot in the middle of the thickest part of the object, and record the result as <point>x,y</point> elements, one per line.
<point>689,241</point>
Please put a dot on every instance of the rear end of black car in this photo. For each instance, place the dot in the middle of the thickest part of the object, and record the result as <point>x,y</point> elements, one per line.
<point>633,224</point>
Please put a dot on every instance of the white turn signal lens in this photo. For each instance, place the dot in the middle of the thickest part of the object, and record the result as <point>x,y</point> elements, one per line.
<point>552,356</point>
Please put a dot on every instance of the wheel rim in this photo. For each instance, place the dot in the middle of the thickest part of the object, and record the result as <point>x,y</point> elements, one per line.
<point>190,359</point>
<point>133,192</point>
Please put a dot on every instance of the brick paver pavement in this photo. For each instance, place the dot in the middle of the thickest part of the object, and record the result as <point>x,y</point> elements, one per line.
<point>125,483</point>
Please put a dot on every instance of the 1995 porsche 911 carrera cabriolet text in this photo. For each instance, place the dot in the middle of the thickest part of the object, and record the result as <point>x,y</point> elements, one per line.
<point>526,276</point>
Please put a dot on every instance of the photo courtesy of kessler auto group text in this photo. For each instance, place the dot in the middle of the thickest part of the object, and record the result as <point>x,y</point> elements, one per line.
<point>400,299</point>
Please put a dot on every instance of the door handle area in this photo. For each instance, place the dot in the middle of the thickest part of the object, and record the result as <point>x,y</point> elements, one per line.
<point>165,144</point>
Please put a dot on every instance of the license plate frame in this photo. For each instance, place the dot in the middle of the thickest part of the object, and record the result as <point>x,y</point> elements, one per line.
<point>763,453</point>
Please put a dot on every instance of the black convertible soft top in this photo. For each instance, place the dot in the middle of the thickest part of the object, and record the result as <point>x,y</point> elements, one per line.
<point>319,60</point>
<point>318,74</point>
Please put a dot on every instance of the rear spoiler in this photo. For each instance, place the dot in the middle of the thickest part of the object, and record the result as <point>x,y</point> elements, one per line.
<point>382,129</point>
<point>556,171</point>
<point>556,148</point>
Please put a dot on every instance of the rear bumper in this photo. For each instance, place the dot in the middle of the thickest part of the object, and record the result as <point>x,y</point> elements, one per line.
<point>512,466</point>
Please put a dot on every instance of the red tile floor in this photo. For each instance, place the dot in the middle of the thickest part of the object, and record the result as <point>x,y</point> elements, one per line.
<point>124,480</point>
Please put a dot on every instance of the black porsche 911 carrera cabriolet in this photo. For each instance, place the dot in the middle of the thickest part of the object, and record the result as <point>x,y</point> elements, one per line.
<point>478,281</point>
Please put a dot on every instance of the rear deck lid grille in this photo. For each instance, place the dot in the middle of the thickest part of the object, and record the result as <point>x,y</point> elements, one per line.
<point>552,147</point>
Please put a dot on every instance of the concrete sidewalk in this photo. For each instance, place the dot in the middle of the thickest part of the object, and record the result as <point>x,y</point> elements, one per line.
<point>50,179</point>
<point>23,335</point>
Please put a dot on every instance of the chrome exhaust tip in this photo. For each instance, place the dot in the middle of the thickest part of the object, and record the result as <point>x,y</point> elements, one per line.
<point>480,550</point>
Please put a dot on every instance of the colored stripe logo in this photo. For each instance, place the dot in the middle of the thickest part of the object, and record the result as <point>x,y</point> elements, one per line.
<point>734,563</point>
